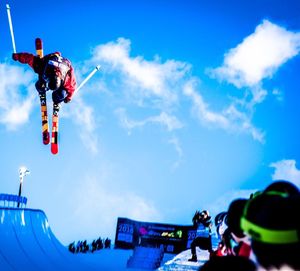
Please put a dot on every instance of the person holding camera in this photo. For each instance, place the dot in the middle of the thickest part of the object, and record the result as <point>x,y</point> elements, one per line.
<point>202,221</point>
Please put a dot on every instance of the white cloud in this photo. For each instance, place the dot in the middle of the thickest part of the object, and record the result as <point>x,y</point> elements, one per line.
<point>164,119</point>
<point>201,108</point>
<point>286,170</point>
<point>17,115</point>
<point>170,122</point>
<point>100,207</point>
<point>17,95</point>
<point>145,78</point>
<point>231,119</point>
<point>259,55</point>
<point>257,58</point>
<point>278,94</point>
<point>176,143</point>
<point>160,84</point>
<point>240,121</point>
<point>83,115</point>
<point>141,80</point>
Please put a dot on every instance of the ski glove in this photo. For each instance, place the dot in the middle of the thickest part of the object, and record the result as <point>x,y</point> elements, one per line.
<point>15,56</point>
<point>67,100</point>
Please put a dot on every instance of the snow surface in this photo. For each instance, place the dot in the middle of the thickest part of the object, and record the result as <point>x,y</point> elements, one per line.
<point>116,260</point>
<point>180,261</point>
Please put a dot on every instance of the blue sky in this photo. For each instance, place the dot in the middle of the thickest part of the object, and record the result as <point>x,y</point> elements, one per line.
<point>196,103</point>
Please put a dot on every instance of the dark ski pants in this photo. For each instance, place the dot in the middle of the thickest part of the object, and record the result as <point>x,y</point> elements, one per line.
<point>203,243</point>
<point>58,96</point>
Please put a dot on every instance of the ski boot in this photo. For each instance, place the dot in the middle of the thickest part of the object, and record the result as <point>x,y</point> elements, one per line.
<point>193,259</point>
<point>42,98</point>
<point>56,108</point>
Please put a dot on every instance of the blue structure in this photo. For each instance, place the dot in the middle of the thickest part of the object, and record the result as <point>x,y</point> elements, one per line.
<point>12,200</point>
<point>146,258</point>
<point>27,242</point>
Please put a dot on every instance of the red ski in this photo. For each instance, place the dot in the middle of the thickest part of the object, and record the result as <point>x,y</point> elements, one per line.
<point>45,127</point>
<point>54,135</point>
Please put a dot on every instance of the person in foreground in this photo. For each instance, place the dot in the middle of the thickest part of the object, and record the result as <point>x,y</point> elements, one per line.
<point>271,218</point>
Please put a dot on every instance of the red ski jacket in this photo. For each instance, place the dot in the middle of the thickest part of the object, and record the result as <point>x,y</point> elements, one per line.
<point>38,65</point>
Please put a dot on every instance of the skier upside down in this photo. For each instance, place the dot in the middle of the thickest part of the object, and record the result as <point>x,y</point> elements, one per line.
<point>57,74</point>
<point>54,72</point>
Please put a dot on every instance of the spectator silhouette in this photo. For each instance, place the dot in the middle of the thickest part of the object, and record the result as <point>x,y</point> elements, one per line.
<point>242,246</point>
<point>221,223</point>
<point>85,247</point>
<point>202,221</point>
<point>72,247</point>
<point>222,232</point>
<point>107,243</point>
<point>94,246</point>
<point>99,243</point>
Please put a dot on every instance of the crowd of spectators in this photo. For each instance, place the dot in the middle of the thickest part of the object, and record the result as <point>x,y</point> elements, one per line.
<point>84,246</point>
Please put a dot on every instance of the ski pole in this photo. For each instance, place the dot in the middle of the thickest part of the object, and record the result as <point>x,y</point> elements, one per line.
<point>11,28</point>
<point>88,77</point>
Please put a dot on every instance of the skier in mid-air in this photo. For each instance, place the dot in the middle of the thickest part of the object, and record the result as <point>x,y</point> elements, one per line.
<point>54,72</point>
<point>57,74</point>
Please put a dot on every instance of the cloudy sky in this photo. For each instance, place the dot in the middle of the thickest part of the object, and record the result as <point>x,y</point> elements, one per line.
<point>196,103</point>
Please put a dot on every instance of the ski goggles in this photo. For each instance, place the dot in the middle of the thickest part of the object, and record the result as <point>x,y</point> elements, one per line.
<point>266,235</point>
<point>269,236</point>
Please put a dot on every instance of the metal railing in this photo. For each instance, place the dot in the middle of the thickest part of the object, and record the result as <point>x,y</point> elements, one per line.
<point>9,201</point>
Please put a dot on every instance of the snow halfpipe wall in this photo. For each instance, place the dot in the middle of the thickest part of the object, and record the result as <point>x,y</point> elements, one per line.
<point>27,243</point>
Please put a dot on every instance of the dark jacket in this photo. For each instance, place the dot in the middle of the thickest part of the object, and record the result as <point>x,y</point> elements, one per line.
<point>66,71</point>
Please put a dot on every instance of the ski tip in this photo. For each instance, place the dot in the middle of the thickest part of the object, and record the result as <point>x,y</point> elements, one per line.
<point>39,47</point>
<point>38,43</point>
<point>54,149</point>
<point>46,138</point>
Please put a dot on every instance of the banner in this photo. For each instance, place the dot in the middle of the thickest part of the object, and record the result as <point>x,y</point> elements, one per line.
<point>173,238</point>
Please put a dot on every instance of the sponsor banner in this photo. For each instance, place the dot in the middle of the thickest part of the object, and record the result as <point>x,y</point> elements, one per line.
<point>173,238</point>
